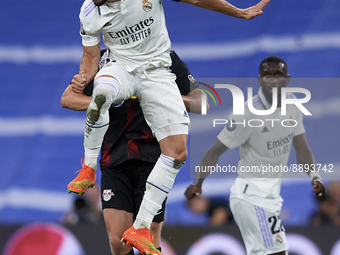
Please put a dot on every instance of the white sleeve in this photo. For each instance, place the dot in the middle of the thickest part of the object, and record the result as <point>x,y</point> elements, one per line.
<point>236,132</point>
<point>90,37</point>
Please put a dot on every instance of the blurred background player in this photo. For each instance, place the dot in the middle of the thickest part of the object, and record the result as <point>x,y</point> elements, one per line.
<point>255,199</point>
<point>86,209</point>
<point>128,154</point>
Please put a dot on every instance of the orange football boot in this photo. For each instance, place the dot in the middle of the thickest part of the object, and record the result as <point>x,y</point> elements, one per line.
<point>84,180</point>
<point>140,239</point>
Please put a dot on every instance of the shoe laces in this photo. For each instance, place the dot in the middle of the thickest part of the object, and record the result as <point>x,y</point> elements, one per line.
<point>82,162</point>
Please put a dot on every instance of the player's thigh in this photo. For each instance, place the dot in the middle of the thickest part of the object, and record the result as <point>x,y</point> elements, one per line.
<point>261,230</point>
<point>117,72</point>
<point>161,101</point>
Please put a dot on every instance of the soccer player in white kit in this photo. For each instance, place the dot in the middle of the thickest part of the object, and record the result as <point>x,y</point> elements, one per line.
<point>255,199</point>
<point>135,33</point>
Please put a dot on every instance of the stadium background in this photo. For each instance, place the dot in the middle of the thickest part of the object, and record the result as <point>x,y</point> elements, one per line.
<point>40,49</point>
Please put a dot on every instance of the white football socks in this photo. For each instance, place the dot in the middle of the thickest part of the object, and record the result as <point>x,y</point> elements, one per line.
<point>158,186</point>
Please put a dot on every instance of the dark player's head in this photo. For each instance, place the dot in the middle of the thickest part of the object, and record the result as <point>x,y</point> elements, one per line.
<point>273,73</point>
<point>99,2</point>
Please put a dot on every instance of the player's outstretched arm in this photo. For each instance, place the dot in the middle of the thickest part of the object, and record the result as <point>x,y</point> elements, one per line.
<point>209,158</point>
<point>226,8</point>
<point>305,156</point>
<point>74,101</point>
<point>193,101</point>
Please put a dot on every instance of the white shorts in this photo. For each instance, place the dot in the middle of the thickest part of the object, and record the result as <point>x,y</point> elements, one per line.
<point>158,95</point>
<point>261,230</point>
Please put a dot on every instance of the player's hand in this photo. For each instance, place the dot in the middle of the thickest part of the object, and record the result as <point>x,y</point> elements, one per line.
<point>255,10</point>
<point>192,191</point>
<point>78,83</point>
<point>319,189</point>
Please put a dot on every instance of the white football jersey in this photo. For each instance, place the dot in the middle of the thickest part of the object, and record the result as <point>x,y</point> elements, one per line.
<point>265,142</point>
<point>133,30</point>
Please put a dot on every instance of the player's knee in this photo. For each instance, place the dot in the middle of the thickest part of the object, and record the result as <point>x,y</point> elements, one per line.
<point>180,153</point>
<point>184,154</point>
<point>175,150</point>
<point>117,247</point>
<point>95,108</point>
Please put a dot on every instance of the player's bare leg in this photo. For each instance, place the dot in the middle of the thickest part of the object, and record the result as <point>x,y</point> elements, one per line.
<point>155,230</point>
<point>117,221</point>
